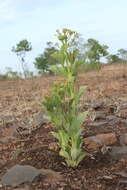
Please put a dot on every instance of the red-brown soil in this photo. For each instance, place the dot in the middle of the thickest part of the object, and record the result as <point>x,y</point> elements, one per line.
<point>21,99</point>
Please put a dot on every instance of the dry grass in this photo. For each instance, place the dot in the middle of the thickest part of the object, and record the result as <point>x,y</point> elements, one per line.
<point>23,98</point>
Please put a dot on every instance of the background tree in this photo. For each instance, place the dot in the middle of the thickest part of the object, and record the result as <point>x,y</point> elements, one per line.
<point>46,59</point>
<point>122,53</point>
<point>94,51</point>
<point>12,74</point>
<point>21,49</point>
<point>113,58</point>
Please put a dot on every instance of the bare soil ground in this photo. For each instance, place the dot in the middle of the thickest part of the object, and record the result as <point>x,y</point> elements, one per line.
<point>22,99</point>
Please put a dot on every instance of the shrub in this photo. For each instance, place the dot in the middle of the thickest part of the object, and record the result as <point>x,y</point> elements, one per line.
<point>3,77</point>
<point>63,103</point>
<point>86,67</point>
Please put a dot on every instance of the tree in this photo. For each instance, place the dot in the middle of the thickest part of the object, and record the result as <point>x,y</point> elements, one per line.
<point>94,51</point>
<point>12,74</point>
<point>113,58</point>
<point>46,59</point>
<point>21,49</point>
<point>123,54</point>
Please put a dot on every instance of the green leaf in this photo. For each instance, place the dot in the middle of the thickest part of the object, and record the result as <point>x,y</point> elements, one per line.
<point>64,138</point>
<point>78,121</point>
<point>64,154</point>
<point>55,134</point>
<point>81,90</point>
<point>57,70</point>
<point>74,153</point>
<point>81,157</point>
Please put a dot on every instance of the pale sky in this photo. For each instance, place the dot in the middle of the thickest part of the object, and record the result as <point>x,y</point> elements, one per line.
<point>37,21</point>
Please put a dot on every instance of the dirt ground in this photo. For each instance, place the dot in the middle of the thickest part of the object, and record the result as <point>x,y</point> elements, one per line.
<point>22,99</point>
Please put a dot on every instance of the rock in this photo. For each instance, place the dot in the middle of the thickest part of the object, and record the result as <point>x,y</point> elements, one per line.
<point>109,138</point>
<point>123,139</point>
<point>103,120</point>
<point>40,118</point>
<point>112,119</point>
<point>96,142</point>
<point>20,174</point>
<point>14,154</point>
<point>112,109</point>
<point>122,113</point>
<point>97,104</point>
<point>30,125</point>
<point>51,176</point>
<point>2,162</point>
<point>93,143</point>
<point>124,121</point>
<point>98,124</point>
<point>4,139</point>
<point>8,133</point>
<point>6,119</point>
<point>16,133</point>
<point>122,107</point>
<point>118,152</point>
<point>99,115</point>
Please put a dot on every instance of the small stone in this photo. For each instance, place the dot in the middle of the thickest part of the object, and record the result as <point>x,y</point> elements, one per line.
<point>122,113</point>
<point>123,139</point>
<point>51,176</point>
<point>95,142</point>
<point>40,118</point>
<point>99,115</point>
<point>97,104</point>
<point>98,124</point>
<point>7,118</point>
<point>8,133</point>
<point>122,107</point>
<point>2,162</point>
<point>118,152</point>
<point>20,174</point>
<point>124,121</point>
<point>112,119</point>
<point>109,138</point>
<point>4,139</point>
<point>16,153</point>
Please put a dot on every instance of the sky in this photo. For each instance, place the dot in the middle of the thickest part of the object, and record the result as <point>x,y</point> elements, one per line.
<point>38,20</point>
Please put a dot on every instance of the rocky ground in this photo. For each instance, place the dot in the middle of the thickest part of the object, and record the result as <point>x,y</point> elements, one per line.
<point>25,135</point>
